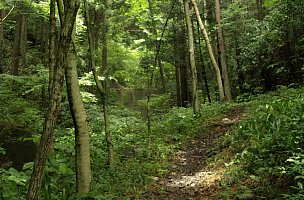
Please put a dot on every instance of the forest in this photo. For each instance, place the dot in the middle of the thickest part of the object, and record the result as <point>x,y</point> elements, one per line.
<point>151,99</point>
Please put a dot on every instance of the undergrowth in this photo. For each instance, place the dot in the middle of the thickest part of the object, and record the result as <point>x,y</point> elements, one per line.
<point>265,158</point>
<point>136,163</point>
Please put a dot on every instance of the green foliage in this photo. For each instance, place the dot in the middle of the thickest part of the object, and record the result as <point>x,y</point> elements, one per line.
<point>296,169</point>
<point>261,39</point>
<point>270,140</point>
<point>19,99</point>
<point>13,184</point>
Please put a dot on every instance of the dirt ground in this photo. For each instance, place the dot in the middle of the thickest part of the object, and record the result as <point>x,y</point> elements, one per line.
<point>191,177</point>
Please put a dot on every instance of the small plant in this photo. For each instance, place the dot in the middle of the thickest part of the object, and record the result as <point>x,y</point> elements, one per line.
<point>272,134</point>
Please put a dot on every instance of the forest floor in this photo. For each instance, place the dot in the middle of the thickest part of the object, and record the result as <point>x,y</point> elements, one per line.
<point>191,176</point>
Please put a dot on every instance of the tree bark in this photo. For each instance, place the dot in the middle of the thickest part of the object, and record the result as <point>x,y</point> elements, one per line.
<point>222,52</point>
<point>184,65</point>
<point>203,68</point>
<point>101,89</point>
<point>16,48</point>
<point>2,15</point>
<point>177,67</point>
<point>193,78</point>
<point>52,44</point>
<point>106,73</point>
<point>79,115</point>
<point>54,104</point>
<point>157,60</point>
<point>23,40</point>
<point>20,41</point>
<point>210,50</point>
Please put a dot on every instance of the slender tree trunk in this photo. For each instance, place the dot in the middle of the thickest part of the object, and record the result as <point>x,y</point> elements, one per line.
<point>52,54</point>
<point>92,49</point>
<point>203,72</point>
<point>52,45</point>
<point>44,41</point>
<point>158,46</point>
<point>23,40</point>
<point>184,65</point>
<point>79,115</point>
<point>20,41</point>
<point>157,49</point>
<point>259,5</point>
<point>240,72</point>
<point>193,78</point>
<point>82,148</point>
<point>210,50</point>
<point>102,90</point>
<point>16,48</point>
<point>106,73</point>
<point>54,103</point>
<point>222,51</point>
<point>177,66</point>
<point>2,15</point>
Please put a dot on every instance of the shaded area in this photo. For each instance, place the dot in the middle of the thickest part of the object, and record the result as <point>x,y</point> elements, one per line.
<point>18,145</point>
<point>190,176</point>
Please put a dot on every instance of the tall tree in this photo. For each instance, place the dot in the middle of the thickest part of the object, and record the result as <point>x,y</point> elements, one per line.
<point>16,50</point>
<point>157,60</point>
<point>222,51</point>
<point>70,12</point>
<point>202,69</point>
<point>180,58</point>
<point>80,120</point>
<point>193,77</point>
<point>210,51</point>
<point>101,89</point>
<point>79,115</point>
<point>52,44</point>
<point>2,15</point>
<point>106,73</point>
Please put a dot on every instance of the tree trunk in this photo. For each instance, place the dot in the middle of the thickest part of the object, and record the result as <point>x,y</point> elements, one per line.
<point>101,89</point>
<point>157,60</point>
<point>106,73</point>
<point>79,115</point>
<point>23,40</point>
<point>54,104</point>
<point>2,15</point>
<point>52,45</point>
<point>203,68</point>
<point>222,52</point>
<point>16,48</point>
<point>193,78</point>
<point>210,50</point>
<point>20,41</point>
<point>177,67</point>
<point>184,65</point>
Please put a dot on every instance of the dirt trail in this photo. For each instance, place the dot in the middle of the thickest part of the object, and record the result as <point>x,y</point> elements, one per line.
<point>190,176</point>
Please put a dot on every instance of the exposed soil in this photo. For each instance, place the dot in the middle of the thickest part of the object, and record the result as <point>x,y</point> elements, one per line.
<point>190,176</point>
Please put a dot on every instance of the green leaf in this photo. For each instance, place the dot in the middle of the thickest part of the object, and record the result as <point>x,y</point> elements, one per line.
<point>63,168</point>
